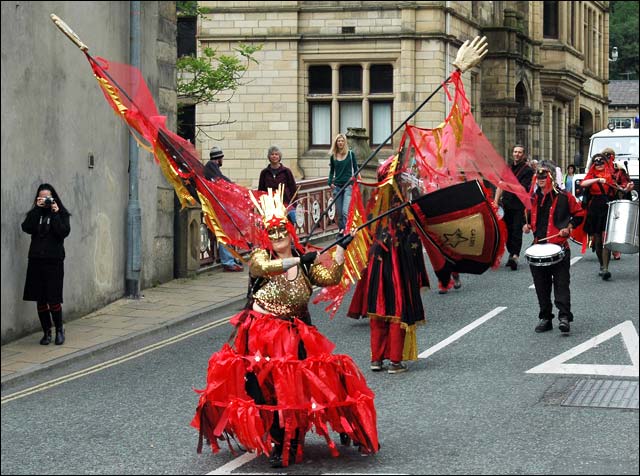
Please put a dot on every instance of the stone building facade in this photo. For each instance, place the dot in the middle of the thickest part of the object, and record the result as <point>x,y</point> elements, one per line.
<point>329,65</point>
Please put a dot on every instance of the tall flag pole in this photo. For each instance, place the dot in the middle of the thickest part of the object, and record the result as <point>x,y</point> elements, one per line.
<point>227,207</point>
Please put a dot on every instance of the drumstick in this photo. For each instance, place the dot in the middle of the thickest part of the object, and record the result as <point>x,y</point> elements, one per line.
<point>549,237</point>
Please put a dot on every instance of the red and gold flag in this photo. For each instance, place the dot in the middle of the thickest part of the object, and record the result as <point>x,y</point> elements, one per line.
<point>355,255</point>
<point>227,207</point>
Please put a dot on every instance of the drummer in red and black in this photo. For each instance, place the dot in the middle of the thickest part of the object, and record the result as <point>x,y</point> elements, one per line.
<point>554,213</point>
<point>600,183</point>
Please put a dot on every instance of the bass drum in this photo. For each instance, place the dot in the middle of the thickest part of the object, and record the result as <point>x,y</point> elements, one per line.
<point>621,233</point>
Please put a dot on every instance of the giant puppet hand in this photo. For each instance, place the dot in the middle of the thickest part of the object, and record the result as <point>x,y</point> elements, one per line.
<point>470,54</point>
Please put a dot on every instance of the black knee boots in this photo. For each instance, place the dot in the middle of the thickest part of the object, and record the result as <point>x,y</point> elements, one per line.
<point>56,313</point>
<point>46,339</point>
<point>59,336</point>
<point>45,321</point>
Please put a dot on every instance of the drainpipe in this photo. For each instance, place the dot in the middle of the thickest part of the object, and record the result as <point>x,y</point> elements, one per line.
<point>447,68</point>
<point>134,218</point>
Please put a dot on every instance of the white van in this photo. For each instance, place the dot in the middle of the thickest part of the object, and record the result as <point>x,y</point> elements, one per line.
<point>626,145</point>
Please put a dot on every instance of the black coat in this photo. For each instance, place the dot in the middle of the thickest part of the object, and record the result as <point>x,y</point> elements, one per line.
<point>45,271</point>
<point>524,174</point>
<point>212,171</point>
<point>48,231</point>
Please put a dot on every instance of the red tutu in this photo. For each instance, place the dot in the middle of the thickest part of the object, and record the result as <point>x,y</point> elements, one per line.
<point>319,391</point>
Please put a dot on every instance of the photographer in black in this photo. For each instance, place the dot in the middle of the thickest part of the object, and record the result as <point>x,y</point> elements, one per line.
<point>48,224</point>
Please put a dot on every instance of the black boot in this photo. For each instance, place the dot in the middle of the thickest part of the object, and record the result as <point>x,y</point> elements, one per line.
<point>45,321</point>
<point>345,440</point>
<point>59,336</point>
<point>46,339</point>
<point>56,314</point>
<point>275,458</point>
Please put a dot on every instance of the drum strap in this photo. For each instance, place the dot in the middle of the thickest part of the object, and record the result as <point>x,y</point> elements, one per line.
<point>562,210</point>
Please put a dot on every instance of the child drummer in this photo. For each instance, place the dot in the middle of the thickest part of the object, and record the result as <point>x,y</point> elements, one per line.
<point>554,213</point>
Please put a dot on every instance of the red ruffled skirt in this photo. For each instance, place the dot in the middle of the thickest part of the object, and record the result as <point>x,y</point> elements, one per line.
<point>321,390</point>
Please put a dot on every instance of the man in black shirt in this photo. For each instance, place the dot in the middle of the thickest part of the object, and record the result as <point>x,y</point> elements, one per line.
<point>513,207</point>
<point>212,168</point>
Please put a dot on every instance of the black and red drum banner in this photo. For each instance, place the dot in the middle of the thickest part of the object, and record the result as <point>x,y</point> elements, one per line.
<point>460,223</point>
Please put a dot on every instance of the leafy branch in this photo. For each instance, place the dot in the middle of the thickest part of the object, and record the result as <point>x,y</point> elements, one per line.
<point>203,79</point>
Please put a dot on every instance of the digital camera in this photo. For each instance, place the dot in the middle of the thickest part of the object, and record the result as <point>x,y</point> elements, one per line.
<point>48,201</point>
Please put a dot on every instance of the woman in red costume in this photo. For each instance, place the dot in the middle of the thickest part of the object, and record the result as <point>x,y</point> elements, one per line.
<point>279,378</point>
<point>602,189</point>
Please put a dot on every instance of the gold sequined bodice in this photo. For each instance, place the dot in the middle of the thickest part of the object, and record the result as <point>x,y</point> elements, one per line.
<point>284,297</point>
<point>288,297</point>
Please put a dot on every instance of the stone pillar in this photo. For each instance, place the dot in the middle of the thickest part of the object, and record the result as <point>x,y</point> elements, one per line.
<point>366,75</point>
<point>335,106</point>
<point>358,141</point>
<point>510,18</point>
<point>187,241</point>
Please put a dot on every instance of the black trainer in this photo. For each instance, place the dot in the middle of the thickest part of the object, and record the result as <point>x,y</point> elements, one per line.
<point>563,324</point>
<point>544,325</point>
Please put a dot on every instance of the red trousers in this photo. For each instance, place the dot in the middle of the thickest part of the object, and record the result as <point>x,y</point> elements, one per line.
<point>387,340</point>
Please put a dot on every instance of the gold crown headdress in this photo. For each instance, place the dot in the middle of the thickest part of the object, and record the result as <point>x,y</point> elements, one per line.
<point>271,207</point>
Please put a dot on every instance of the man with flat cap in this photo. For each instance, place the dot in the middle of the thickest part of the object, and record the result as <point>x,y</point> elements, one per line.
<point>212,171</point>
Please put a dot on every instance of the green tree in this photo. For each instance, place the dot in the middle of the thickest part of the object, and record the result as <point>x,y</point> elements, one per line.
<point>623,34</point>
<point>203,79</point>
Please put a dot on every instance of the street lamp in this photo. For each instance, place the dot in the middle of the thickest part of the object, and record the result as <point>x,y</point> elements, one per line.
<point>614,54</point>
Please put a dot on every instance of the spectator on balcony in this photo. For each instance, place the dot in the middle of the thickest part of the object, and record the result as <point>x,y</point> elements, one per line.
<point>342,169</point>
<point>275,174</point>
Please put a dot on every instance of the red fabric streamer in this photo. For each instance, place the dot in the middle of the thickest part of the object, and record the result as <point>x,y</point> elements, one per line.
<point>458,151</point>
<point>322,390</point>
<point>227,207</point>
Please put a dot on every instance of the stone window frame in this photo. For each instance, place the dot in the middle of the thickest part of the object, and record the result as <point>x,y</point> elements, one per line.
<point>365,97</point>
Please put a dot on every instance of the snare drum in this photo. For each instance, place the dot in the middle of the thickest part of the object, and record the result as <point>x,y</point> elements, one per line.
<point>546,254</point>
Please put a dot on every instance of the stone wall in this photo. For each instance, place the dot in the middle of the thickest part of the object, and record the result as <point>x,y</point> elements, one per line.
<point>55,117</point>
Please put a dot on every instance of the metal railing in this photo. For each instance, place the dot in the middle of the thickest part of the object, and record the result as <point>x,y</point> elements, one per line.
<point>310,203</point>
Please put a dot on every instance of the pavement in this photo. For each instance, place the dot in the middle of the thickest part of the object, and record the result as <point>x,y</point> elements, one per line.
<point>160,307</point>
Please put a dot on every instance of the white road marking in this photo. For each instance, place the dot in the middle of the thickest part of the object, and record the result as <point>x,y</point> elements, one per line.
<point>629,337</point>
<point>460,333</point>
<point>235,463</point>
<point>247,457</point>
<point>110,363</point>
<point>571,263</point>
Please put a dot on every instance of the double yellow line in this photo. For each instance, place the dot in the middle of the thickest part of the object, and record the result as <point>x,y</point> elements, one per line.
<point>110,363</point>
